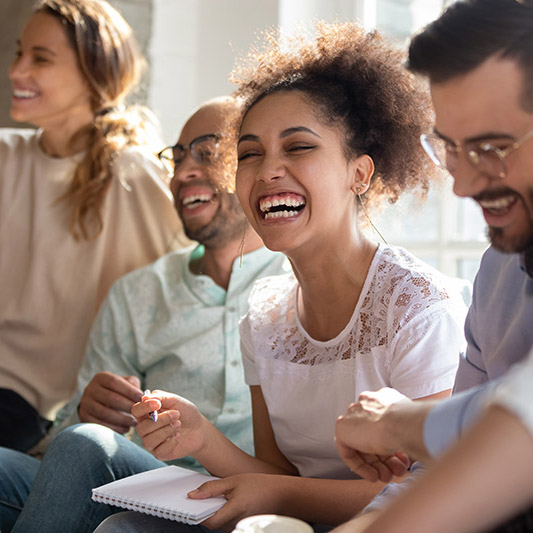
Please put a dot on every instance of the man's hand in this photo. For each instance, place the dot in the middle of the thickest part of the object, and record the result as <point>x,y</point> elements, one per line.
<point>378,433</point>
<point>108,399</point>
<point>180,428</point>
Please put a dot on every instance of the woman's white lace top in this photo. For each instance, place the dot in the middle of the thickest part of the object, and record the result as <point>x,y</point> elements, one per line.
<point>406,332</point>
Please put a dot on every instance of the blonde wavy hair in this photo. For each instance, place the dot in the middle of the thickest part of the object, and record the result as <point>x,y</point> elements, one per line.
<point>109,59</point>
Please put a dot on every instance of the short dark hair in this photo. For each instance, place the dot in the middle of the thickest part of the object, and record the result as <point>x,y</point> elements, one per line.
<point>471,31</point>
<point>356,81</point>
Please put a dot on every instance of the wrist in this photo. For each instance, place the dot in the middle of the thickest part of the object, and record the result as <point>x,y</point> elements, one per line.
<point>404,423</point>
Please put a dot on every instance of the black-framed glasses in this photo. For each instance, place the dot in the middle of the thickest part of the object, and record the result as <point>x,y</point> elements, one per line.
<point>203,149</point>
<point>486,157</point>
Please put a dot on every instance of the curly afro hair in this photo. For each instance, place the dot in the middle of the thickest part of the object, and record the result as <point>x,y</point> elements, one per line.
<point>356,80</point>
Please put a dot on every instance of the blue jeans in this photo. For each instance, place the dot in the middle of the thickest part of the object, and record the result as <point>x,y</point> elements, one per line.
<point>132,522</point>
<point>17,472</point>
<point>80,458</point>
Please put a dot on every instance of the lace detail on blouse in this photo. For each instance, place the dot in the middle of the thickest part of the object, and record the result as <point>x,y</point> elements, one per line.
<point>398,288</point>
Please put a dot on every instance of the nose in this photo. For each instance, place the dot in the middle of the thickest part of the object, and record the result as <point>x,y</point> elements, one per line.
<point>188,169</point>
<point>467,180</point>
<point>272,168</point>
<point>18,68</point>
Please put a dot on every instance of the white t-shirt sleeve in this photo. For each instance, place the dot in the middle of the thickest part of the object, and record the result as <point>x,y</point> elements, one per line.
<point>426,352</point>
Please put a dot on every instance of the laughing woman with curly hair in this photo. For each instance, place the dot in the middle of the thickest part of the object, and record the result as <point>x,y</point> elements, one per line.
<point>324,123</point>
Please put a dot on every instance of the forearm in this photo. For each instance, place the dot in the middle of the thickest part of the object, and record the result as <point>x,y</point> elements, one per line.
<point>358,524</point>
<point>324,501</point>
<point>484,479</point>
<point>222,458</point>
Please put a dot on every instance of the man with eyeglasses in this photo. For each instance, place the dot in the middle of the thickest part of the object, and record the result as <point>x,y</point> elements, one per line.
<point>478,57</point>
<point>172,326</point>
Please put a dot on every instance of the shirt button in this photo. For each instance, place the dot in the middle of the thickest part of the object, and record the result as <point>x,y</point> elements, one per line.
<point>234,363</point>
<point>231,410</point>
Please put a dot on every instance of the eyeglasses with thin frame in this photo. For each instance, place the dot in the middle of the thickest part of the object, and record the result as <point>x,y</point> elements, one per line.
<point>487,158</point>
<point>203,149</point>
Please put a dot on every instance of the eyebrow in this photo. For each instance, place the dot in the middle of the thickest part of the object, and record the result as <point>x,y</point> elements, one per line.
<point>489,136</point>
<point>285,133</point>
<point>39,49</point>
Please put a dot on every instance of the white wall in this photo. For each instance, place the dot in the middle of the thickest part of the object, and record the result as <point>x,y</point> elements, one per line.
<point>194,43</point>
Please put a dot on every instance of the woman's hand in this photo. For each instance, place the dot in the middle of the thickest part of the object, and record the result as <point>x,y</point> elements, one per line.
<point>247,495</point>
<point>179,429</point>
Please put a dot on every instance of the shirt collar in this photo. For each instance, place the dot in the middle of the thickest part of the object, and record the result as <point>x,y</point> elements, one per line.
<point>526,262</point>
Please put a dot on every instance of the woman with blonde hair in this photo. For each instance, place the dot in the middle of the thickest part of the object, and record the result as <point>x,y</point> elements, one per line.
<point>83,201</point>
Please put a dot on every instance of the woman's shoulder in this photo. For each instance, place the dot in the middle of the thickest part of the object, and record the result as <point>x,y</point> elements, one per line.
<point>18,139</point>
<point>136,163</point>
<point>403,280</point>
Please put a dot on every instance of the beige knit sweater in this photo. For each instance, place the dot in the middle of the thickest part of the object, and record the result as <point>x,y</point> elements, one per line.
<point>51,285</point>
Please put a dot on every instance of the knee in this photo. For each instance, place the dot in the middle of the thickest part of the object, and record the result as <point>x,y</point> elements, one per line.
<point>83,441</point>
<point>122,522</point>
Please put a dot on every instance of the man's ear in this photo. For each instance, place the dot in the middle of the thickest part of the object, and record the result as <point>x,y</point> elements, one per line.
<point>363,169</point>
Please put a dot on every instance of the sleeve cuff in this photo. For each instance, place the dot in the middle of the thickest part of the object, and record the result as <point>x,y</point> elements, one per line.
<point>450,418</point>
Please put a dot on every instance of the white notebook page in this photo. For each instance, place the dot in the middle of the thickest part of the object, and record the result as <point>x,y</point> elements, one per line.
<point>161,492</point>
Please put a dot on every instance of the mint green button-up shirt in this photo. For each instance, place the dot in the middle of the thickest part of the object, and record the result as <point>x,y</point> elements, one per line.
<point>179,332</point>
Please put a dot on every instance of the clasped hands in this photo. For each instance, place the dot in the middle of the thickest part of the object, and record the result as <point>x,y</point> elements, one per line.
<point>366,436</point>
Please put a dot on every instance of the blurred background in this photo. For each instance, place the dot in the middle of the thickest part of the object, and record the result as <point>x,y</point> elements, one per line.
<point>191,46</point>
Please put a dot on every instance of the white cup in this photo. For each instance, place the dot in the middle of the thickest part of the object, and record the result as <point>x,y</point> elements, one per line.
<point>272,523</point>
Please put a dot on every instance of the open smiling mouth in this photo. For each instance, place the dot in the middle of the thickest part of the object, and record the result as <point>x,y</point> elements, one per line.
<point>196,200</point>
<point>286,205</point>
<point>24,94</point>
<point>498,206</point>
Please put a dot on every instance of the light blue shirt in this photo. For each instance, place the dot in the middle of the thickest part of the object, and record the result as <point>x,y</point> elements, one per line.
<point>499,332</point>
<point>179,332</point>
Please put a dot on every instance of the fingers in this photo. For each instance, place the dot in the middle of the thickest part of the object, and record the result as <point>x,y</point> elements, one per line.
<point>382,397</point>
<point>134,380</point>
<point>107,400</point>
<point>380,465</point>
<point>113,391</point>
<point>211,489</point>
<point>229,514</point>
<point>398,464</point>
<point>143,408</point>
<point>161,438</point>
<point>359,466</point>
<point>115,420</point>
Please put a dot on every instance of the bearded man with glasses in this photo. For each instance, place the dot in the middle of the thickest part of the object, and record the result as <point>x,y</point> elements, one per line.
<point>478,57</point>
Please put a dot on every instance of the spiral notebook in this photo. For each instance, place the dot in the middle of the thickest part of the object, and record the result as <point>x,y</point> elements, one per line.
<point>161,492</point>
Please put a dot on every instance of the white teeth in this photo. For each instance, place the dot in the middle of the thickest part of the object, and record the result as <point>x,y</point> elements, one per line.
<point>265,205</point>
<point>21,93</point>
<point>281,214</point>
<point>498,203</point>
<point>196,198</point>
